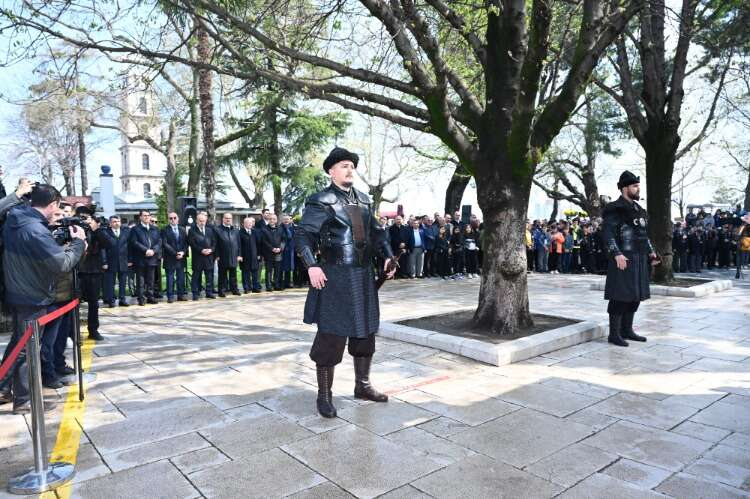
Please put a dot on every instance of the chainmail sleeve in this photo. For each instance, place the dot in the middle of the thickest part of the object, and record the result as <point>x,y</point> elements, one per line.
<point>609,232</point>
<point>307,237</point>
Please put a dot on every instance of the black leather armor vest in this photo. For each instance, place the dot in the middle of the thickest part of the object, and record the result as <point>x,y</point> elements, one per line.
<point>340,225</point>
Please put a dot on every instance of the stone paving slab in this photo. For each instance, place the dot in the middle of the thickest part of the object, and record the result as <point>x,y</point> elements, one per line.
<point>360,462</point>
<point>142,481</point>
<point>481,476</point>
<point>216,389</point>
<point>267,474</point>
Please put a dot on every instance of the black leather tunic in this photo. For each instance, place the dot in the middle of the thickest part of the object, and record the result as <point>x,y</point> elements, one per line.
<point>327,226</point>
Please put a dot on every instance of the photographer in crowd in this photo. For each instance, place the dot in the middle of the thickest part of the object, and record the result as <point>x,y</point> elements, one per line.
<point>33,259</point>
<point>92,266</point>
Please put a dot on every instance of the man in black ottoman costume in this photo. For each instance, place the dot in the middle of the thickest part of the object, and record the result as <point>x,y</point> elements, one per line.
<point>631,256</point>
<point>338,222</point>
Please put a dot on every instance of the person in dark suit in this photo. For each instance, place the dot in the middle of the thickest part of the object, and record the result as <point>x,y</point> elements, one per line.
<point>273,243</point>
<point>265,214</point>
<point>117,263</point>
<point>288,260</point>
<point>176,251</point>
<point>145,247</point>
<point>250,256</point>
<point>202,241</point>
<point>227,255</point>
<point>399,235</point>
<point>159,255</point>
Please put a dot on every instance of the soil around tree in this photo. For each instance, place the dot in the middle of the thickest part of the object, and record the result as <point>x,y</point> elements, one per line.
<point>460,324</point>
<point>683,282</point>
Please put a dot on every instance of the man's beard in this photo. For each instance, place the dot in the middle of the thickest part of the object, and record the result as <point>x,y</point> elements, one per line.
<point>635,196</point>
<point>347,183</point>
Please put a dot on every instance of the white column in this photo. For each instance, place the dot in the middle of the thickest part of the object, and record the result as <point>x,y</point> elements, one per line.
<point>106,192</point>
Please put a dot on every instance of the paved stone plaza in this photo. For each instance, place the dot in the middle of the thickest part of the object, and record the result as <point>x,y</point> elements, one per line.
<point>217,399</point>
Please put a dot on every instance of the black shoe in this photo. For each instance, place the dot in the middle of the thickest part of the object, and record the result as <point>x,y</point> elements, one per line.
<point>256,291</point>
<point>25,407</point>
<point>170,300</point>
<point>182,298</point>
<point>96,336</point>
<point>123,303</point>
<point>627,328</point>
<point>237,293</point>
<point>5,397</point>
<point>196,297</point>
<point>615,326</point>
<point>362,387</point>
<point>141,303</point>
<point>152,301</point>
<point>66,370</point>
<point>111,304</point>
<point>222,295</point>
<point>325,397</point>
<point>211,297</point>
<point>53,383</point>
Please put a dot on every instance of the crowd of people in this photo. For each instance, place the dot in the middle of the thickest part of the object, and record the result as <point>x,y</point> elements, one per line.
<point>706,241</point>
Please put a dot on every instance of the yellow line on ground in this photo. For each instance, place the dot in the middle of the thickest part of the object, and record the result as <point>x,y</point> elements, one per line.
<point>69,434</point>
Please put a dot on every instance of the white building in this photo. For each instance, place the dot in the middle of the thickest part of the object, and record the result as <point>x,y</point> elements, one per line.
<point>143,167</point>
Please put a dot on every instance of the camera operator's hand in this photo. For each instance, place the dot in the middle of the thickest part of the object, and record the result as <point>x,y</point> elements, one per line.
<point>76,233</point>
<point>24,187</point>
<point>93,224</point>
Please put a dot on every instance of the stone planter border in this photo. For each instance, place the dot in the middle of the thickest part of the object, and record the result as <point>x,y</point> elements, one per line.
<point>707,288</point>
<point>497,354</point>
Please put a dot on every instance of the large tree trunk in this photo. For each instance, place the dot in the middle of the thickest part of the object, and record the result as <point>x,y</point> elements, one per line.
<point>275,158</point>
<point>82,161</point>
<point>455,191</point>
<point>591,190</point>
<point>660,159</point>
<point>555,202</point>
<point>376,193</point>
<point>194,164</point>
<point>207,122</point>
<point>170,178</point>
<point>69,180</point>
<point>503,296</point>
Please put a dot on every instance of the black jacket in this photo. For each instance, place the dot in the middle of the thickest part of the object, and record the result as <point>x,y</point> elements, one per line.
<point>172,245</point>
<point>397,235</point>
<point>117,256</point>
<point>141,240</point>
<point>227,246</point>
<point>199,242</point>
<point>94,258</point>
<point>272,237</point>
<point>249,249</point>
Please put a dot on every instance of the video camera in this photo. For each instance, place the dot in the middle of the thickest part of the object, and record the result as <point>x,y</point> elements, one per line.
<point>61,232</point>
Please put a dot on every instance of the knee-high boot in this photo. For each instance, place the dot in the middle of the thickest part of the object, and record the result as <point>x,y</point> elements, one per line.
<point>325,396</point>
<point>362,387</point>
<point>627,328</point>
<point>615,328</point>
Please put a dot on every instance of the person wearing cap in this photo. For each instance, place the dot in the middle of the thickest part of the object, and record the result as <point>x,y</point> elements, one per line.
<point>625,233</point>
<point>339,223</point>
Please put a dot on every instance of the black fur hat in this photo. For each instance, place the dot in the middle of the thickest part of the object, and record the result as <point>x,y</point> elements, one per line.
<point>339,154</point>
<point>627,179</point>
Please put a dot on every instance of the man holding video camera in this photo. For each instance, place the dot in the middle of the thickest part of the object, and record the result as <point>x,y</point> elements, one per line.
<point>33,259</point>
<point>93,266</point>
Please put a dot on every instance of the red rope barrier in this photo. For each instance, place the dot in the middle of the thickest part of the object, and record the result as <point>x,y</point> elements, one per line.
<point>43,320</point>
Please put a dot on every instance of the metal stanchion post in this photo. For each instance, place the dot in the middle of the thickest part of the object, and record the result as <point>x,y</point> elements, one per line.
<point>44,476</point>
